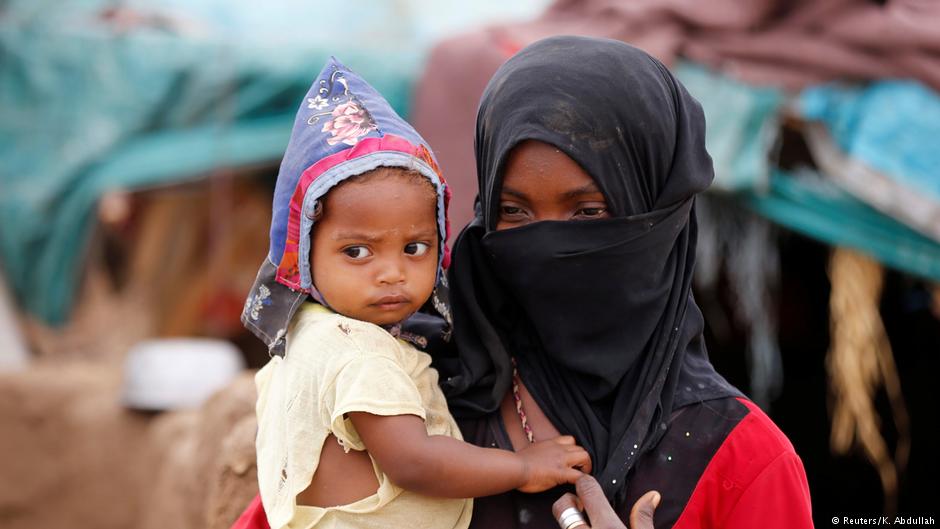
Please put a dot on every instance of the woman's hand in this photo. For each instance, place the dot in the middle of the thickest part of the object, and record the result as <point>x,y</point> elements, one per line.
<point>591,499</point>
<point>553,462</point>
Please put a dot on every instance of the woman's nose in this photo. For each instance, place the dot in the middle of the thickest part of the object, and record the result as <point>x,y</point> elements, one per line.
<point>550,214</point>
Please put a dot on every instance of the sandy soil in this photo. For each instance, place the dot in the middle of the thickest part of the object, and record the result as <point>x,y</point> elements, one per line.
<point>73,456</point>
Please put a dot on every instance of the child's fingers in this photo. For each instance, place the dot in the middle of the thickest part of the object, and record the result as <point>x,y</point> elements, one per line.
<point>581,460</point>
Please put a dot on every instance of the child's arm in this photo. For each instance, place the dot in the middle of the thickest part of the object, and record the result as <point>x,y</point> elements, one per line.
<point>442,466</point>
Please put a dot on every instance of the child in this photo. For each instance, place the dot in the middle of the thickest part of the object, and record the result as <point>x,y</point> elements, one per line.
<point>359,225</point>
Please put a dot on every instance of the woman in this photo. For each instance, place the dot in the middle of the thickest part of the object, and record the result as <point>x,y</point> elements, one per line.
<point>572,304</point>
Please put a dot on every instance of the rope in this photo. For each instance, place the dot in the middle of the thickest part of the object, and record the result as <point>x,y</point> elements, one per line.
<point>859,363</point>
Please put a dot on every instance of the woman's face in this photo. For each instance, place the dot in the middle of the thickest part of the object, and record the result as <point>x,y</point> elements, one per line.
<point>542,183</point>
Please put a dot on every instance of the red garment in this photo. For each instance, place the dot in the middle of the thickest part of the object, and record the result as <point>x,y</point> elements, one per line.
<point>755,479</point>
<point>253,516</point>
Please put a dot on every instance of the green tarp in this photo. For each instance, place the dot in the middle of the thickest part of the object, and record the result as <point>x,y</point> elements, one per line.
<point>96,96</point>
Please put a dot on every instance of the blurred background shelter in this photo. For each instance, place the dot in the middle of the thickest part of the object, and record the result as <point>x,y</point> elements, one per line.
<point>139,142</point>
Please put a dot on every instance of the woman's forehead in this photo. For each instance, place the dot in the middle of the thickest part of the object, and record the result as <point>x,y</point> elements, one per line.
<point>535,166</point>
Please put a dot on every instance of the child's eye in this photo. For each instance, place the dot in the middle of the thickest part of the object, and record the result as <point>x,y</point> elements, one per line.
<point>357,252</point>
<point>417,248</point>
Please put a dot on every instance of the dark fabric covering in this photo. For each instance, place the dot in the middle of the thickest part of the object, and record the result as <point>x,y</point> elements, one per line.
<point>599,314</point>
<point>677,464</point>
<point>674,468</point>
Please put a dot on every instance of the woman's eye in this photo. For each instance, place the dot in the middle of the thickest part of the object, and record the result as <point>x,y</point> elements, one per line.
<point>511,211</point>
<point>357,252</point>
<point>417,248</point>
<point>592,212</point>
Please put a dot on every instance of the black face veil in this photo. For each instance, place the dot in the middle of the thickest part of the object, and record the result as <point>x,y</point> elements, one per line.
<point>598,314</point>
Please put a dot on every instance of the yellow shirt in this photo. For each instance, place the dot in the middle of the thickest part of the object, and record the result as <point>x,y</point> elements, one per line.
<point>335,365</point>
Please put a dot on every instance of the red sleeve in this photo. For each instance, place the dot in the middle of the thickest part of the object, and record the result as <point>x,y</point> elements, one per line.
<point>755,479</point>
<point>777,498</point>
<point>253,517</point>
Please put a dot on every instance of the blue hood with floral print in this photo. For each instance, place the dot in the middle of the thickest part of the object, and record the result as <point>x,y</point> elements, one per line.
<point>343,128</point>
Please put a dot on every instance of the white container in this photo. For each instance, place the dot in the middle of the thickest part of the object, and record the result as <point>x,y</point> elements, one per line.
<point>178,373</point>
<point>13,353</point>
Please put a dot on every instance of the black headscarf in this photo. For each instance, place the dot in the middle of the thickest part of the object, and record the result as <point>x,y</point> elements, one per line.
<point>599,313</point>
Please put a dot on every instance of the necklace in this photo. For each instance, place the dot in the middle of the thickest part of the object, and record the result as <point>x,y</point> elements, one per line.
<point>520,411</point>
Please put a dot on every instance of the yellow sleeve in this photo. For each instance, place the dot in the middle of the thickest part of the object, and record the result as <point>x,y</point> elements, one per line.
<point>370,384</point>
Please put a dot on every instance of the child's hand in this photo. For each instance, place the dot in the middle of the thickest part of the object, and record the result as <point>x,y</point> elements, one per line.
<point>553,462</point>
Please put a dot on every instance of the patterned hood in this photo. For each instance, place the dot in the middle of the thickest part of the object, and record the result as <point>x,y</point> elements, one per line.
<point>343,128</point>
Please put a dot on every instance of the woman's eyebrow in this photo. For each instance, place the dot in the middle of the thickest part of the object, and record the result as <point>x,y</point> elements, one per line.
<point>510,191</point>
<point>586,189</point>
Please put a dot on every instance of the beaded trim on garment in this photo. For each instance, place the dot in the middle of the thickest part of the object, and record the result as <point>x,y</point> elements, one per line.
<point>520,411</point>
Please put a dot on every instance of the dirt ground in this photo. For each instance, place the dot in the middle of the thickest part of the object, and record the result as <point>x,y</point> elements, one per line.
<point>73,456</point>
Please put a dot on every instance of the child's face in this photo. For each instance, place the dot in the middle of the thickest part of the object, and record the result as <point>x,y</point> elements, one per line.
<point>375,248</point>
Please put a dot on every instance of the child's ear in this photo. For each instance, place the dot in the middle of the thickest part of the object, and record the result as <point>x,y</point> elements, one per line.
<point>317,210</point>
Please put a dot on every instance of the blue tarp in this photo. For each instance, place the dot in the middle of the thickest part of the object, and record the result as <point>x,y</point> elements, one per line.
<point>891,125</point>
